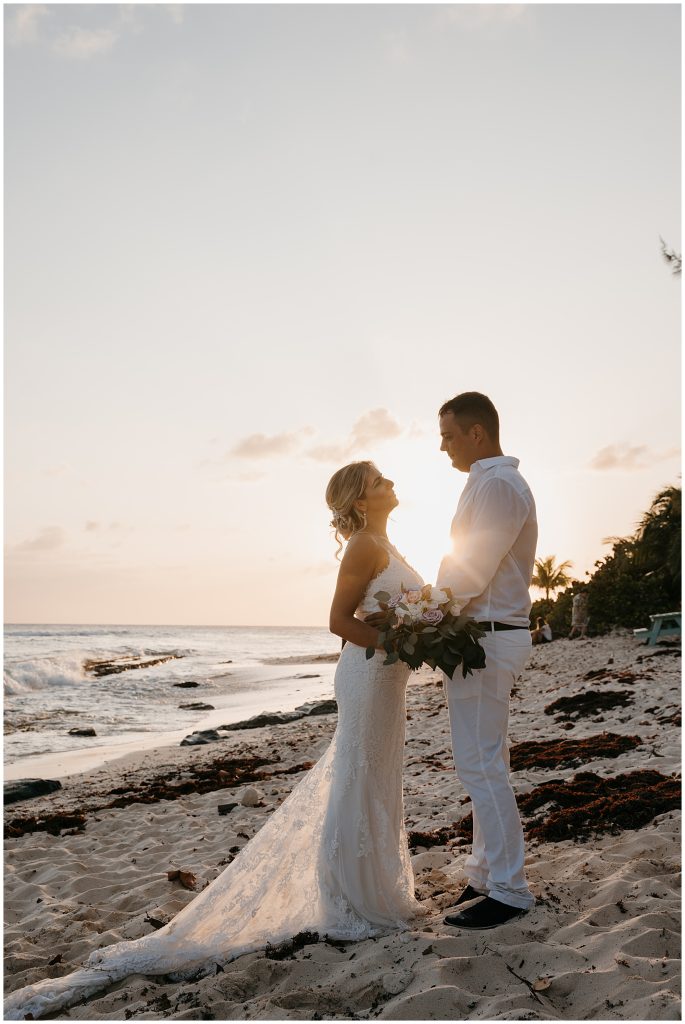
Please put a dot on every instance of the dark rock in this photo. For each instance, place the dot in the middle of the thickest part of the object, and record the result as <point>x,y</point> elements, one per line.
<point>308,675</point>
<point>187,684</point>
<point>26,789</point>
<point>203,736</point>
<point>266,718</point>
<point>82,732</point>
<point>317,707</point>
<point>226,808</point>
<point>198,706</point>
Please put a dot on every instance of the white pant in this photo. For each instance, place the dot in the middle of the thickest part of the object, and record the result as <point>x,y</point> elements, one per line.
<point>479,714</point>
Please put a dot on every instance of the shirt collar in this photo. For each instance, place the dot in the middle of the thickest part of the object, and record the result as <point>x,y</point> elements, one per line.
<point>497,460</point>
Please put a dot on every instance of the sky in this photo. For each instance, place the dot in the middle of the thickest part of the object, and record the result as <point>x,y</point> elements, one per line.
<point>247,244</point>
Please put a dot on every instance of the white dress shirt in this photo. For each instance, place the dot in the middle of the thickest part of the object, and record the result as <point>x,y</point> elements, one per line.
<point>494,536</point>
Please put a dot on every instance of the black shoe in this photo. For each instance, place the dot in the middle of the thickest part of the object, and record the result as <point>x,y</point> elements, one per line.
<point>488,913</point>
<point>467,895</point>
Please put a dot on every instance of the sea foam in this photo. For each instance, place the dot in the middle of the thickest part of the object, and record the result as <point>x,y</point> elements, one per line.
<point>41,673</point>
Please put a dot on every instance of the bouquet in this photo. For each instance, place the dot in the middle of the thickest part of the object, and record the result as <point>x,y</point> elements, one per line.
<point>421,628</point>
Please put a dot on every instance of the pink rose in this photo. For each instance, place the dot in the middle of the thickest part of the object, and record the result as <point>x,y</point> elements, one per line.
<point>413,596</point>
<point>432,616</point>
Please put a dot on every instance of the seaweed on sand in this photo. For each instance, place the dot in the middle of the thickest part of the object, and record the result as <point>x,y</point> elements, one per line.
<point>588,804</point>
<point>570,753</point>
<point>222,773</point>
<point>583,705</point>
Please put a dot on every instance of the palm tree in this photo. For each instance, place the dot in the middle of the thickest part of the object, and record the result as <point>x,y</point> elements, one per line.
<point>551,577</point>
<point>658,537</point>
<point>673,258</point>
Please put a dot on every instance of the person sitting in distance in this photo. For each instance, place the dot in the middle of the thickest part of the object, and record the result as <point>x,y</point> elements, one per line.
<point>542,634</point>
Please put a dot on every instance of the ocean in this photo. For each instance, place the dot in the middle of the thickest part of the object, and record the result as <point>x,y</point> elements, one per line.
<point>122,681</point>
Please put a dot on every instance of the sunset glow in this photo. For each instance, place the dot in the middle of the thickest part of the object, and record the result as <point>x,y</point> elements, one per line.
<point>247,244</point>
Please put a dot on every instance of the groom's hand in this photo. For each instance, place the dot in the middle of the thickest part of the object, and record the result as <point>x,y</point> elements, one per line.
<point>377,619</point>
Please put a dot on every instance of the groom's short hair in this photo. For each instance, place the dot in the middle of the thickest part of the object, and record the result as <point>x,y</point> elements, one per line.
<point>471,407</point>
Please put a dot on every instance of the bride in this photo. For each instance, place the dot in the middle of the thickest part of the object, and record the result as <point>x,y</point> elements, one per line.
<point>334,857</point>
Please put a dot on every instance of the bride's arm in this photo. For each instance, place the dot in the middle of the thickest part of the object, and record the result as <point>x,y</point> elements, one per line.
<point>359,565</point>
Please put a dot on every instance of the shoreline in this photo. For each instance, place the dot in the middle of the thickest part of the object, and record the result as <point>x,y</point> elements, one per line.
<point>600,943</point>
<point>67,763</point>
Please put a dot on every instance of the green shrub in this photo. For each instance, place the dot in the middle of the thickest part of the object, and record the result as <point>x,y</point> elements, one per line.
<point>641,576</point>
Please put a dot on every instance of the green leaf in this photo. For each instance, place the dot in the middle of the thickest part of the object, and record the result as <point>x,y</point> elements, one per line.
<point>382,595</point>
<point>392,658</point>
<point>370,651</point>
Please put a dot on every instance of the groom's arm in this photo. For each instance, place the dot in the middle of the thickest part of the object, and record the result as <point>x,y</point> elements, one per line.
<point>496,521</point>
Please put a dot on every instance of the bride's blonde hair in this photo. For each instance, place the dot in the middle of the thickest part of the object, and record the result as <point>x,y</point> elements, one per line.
<point>345,487</point>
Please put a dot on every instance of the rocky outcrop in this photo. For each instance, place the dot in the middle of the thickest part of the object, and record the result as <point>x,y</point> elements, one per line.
<point>316,707</point>
<point>26,789</point>
<point>109,668</point>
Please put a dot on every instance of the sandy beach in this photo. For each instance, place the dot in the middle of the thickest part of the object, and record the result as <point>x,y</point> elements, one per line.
<point>601,943</point>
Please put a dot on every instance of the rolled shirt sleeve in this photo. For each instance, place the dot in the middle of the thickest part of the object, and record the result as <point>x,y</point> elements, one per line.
<point>494,524</point>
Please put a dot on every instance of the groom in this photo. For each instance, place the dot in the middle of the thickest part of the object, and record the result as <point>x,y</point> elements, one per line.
<point>489,569</point>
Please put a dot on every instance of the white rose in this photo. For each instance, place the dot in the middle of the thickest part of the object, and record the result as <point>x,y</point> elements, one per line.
<point>438,595</point>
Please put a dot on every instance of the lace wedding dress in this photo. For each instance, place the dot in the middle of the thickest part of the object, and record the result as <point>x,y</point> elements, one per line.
<point>332,858</point>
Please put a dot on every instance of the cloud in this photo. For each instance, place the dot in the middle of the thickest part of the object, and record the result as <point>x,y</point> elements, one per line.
<point>374,426</point>
<point>260,446</point>
<point>24,26</point>
<point>370,429</point>
<point>83,43</point>
<point>49,538</point>
<point>630,457</point>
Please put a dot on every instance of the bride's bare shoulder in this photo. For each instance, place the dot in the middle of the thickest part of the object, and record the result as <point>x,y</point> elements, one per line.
<point>363,551</point>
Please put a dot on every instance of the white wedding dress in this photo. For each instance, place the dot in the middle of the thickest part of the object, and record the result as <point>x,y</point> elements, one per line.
<point>333,858</point>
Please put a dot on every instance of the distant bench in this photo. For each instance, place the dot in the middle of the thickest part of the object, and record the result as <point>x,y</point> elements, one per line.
<point>666,624</point>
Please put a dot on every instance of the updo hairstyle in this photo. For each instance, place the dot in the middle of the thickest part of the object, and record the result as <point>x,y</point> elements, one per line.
<point>344,488</point>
